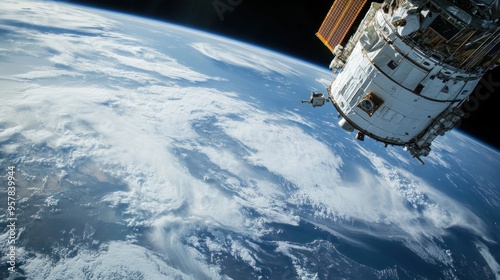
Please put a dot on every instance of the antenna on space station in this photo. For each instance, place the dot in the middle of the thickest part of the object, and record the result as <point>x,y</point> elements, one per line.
<point>408,65</point>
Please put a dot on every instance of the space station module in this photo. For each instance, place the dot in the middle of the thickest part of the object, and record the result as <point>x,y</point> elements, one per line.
<point>403,75</point>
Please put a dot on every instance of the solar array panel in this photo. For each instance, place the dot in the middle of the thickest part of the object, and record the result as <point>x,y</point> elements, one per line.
<point>338,21</point>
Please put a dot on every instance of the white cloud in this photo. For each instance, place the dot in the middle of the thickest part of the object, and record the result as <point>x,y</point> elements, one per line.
<point>78,36</point>
<point>439,210</point>
<point>285,150</point>
<point>9,132</point>
<point>286,249</point>
<point>112,261</point>
<point>490,260</point>
<point>325,81</point>
<point>246,56</point>
<point>53,14</point>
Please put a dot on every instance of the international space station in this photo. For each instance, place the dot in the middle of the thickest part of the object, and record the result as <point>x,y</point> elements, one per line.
<point>404,73</point>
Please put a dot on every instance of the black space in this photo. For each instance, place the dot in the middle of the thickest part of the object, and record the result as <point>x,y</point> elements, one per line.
<point>289,27</point>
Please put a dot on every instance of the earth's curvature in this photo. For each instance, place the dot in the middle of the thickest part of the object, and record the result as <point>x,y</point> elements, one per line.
<point>145,150</point>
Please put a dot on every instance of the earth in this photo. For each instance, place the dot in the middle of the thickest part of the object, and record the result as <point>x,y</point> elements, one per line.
<point>138,149</point>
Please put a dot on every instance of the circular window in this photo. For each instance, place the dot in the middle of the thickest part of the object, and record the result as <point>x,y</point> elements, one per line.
<point>367,105</point>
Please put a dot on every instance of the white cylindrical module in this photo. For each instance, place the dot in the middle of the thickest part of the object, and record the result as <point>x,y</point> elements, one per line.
<point>408,68</point>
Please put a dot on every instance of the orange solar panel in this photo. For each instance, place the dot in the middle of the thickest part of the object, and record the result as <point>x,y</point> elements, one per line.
<point>338,21</point>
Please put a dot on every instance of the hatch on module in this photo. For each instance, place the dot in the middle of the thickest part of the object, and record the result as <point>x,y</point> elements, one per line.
<point>407,69</point>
